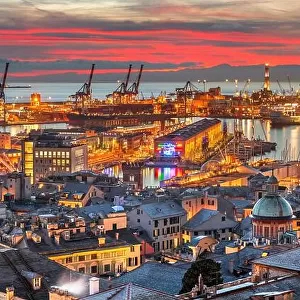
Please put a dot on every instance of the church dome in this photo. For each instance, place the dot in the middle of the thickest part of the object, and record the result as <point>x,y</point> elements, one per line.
<point>272,205</point>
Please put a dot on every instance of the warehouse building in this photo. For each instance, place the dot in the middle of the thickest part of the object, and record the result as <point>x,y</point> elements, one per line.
<point>190,142</point>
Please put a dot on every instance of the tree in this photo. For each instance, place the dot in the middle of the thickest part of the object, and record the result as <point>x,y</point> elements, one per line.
<point>208,268</point>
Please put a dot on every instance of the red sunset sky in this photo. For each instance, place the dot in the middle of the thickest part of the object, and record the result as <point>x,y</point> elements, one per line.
<point>164,35</point>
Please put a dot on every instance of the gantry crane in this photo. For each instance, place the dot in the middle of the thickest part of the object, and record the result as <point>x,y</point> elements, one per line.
<point>2,94</point>
<point>133,90</point>
<point>290,84</point>
<point>121,90</point>
<point>282,90</point>
<point>84,94</point>
<point>185,96</point>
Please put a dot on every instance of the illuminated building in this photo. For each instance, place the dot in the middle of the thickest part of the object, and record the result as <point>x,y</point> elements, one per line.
<point>161,221</point>
<point>272,215</point>
<point>35,99</point>
<point>189,142</point>
<point>196,201</point>
<point>5,140</point>
<point>78,194</point>
<point>48,154</point>
<point>208,223</point>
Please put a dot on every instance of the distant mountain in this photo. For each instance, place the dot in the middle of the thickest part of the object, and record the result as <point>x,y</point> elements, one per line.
<point>216,73</point>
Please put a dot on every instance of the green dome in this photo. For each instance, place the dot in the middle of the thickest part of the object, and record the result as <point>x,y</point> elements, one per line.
<point>272,206</point>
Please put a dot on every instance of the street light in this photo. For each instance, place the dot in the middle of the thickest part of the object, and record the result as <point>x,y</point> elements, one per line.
<point>204,84</point>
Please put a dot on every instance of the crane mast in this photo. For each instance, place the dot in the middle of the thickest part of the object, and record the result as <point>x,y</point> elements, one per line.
<point>2,86</point>
<point>84,94</point>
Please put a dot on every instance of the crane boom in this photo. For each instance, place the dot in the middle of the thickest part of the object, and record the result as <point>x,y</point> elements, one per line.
<point>290,84</point>
<point>91,75</point>
<point>139,79</point>
<point>128,76</point>
<point>280,87</point>
<point>2,96</point>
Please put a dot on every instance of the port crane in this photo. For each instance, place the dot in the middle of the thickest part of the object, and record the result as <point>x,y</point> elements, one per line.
<point>2,94</point>
<point>133,90</point>
<point>84,94</point>
<point>282,90</point>
<point>3,83</point>
<point>121,90</point>
<point>185,96</point>
<point>290,85</point>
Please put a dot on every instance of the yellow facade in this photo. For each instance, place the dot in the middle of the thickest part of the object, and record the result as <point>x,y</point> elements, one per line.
<point>70,203</point>
<point>193,146</point>
<point>28,159</point>
<point>104,260</point>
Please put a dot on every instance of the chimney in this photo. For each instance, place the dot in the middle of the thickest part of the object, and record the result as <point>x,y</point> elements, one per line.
<point>94,284</point>
<point>57,239</point>
<point>10,293</point>
<point>101,241</point>
<point>117,236</point>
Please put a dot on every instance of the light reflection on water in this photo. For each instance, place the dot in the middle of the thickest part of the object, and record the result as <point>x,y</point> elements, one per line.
<point>287,139</point>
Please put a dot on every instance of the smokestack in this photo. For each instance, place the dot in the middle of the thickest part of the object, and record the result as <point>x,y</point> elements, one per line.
<point>94,284</point>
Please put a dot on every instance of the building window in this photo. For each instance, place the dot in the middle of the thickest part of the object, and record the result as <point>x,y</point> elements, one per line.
<point>81,258</point>
<point>230,229</point>
<point>298,223</point>
<point>174,220</point>
<point>223,230</point>
<point>156,223</point>
<point>106,268</point>
<point>132,249</point>
<point>114,227</point>
<point>138,220</point>
<point>81,270</point>
<point>138,211</point>
<point>94,269</point>
<point>196,233</point>
<point>202,201</point>
<point>223,218</point>
<point>131,178</point>
<point>156,232</point>
<point>165,222</point>
<point>149,222</point>
<point>93,256</point>
<point>69,260</point>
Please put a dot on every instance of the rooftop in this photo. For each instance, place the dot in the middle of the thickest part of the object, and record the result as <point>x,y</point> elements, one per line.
<point>192,129</point>
<point>164,277</point>
<point>137,293</point>
<point>164,209</point>
<point>14,262</point>
<point>289,260</point>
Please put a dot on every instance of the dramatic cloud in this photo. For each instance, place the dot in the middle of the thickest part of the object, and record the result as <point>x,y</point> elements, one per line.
<point>164,35</point>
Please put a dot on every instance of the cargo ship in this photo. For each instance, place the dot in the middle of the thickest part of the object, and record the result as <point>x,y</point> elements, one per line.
<point>284,120</point>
